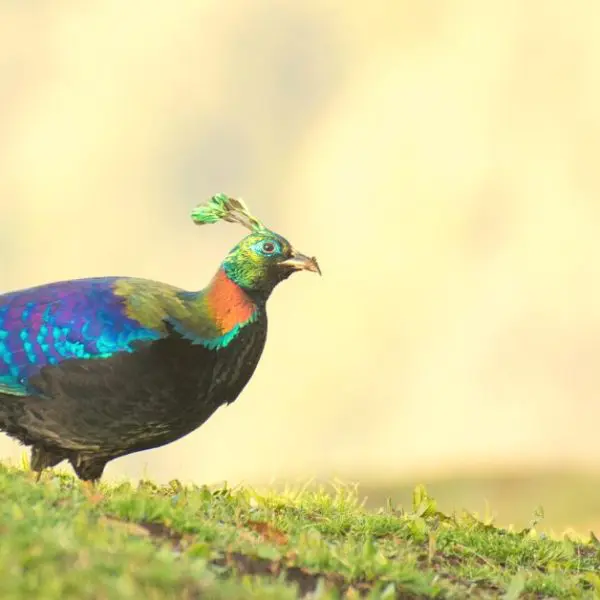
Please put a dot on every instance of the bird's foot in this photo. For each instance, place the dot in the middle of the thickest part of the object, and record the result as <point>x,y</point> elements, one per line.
<point>91,492</point>
<point>35,475</point>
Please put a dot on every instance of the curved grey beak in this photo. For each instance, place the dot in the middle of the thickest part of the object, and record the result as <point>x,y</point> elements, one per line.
<point>301,262</point>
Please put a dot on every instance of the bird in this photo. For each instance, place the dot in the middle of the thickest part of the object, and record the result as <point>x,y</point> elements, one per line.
<point>95,369</point>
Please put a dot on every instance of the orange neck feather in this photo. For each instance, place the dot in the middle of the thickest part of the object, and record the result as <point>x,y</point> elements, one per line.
<point>227,303</point>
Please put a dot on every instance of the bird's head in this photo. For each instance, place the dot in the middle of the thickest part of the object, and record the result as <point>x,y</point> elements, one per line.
<point>263,258</point>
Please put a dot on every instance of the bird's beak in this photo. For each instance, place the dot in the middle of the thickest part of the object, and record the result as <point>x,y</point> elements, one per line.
<point>300,262</point>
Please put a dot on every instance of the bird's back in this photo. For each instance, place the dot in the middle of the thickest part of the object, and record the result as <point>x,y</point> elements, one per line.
<point>50,324</point>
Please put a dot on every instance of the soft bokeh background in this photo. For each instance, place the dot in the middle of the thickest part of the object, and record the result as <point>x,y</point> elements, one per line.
<point>439,157</point>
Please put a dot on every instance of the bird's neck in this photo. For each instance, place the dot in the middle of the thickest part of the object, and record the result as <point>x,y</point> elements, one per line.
<point>214,316</point>
<point>227,304</point>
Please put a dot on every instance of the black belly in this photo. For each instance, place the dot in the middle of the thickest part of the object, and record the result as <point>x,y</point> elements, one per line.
<point>132,401</point>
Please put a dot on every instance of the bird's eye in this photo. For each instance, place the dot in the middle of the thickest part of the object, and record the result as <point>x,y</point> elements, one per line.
<point>268,247</point>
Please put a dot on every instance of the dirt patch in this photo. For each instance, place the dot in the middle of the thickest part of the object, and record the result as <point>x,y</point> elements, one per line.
<point>306,580</point>
<point>160,530</point>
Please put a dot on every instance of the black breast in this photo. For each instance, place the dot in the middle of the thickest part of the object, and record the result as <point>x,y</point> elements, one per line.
<point>136,401</point>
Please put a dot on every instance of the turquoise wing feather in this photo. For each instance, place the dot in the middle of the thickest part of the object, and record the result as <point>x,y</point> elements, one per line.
<point>49,324</point>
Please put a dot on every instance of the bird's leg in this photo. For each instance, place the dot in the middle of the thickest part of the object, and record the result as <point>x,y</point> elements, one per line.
<point>89,470</point>
<point>43,459</point>
<point>89,487</point>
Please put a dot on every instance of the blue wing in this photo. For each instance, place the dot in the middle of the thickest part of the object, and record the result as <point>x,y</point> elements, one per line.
<point>49,324</point>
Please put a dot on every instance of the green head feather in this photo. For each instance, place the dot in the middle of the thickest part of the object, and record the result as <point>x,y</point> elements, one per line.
<point>263,258</point>
<point>223,208</point>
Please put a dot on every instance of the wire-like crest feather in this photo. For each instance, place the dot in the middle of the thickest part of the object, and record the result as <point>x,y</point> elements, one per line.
<point>223,208</point>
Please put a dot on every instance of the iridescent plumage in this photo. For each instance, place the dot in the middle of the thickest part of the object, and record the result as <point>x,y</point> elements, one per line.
<point>46,325</point>
<point>98,368</point>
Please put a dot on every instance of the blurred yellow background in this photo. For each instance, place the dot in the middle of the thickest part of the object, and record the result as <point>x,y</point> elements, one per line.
<point>439,157</point>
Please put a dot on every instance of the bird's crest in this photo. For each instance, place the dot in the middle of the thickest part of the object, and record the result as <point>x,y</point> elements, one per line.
<point>223,208</point>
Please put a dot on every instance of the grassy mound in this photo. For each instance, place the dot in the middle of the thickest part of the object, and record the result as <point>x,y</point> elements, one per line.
<point>58,540</point>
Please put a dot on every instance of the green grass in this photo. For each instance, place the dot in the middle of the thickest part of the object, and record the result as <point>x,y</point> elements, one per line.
<point>150,542</point>
<point>571,498</point>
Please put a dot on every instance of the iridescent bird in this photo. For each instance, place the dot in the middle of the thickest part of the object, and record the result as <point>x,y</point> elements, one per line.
<point>95,369</point>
